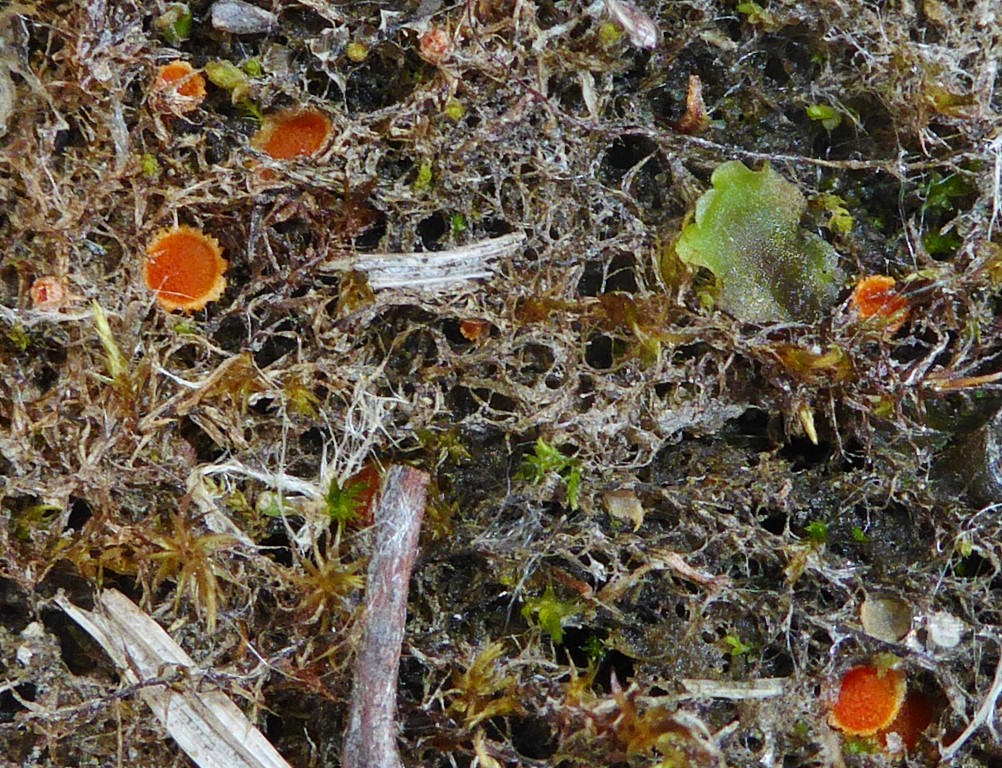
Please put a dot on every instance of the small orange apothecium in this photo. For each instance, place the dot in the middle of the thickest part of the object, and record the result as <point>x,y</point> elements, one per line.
<point>876,296</point>
<point>178,88</point>
<point>48,292</point>
<point>185,267</point>
<point>292,134</point>
<point>869,699</point>
<point>915,716</point>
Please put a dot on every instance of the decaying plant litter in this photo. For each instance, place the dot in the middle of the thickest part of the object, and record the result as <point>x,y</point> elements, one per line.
<point>650,527</point>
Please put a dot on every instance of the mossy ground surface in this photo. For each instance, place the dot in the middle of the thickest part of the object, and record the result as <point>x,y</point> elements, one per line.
<point>549,625</point>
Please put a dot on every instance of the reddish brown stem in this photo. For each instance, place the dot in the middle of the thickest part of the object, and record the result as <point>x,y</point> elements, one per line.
<point>371,737</point>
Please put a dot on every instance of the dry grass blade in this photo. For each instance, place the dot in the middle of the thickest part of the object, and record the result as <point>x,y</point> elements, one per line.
<point>431,271</point>
<point>205,723</point>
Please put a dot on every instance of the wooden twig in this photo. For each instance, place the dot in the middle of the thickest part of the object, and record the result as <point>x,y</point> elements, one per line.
<point>371,737</point>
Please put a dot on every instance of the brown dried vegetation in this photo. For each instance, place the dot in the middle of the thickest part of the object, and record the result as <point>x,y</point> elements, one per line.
<point>188,460</point>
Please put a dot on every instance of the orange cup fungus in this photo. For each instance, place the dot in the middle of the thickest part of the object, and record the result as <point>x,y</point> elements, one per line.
<point>178,88</point>
<point>185,267</point>
<point>868,700</point>
<point>292,134</point>
<point>434,45</point>
<point>366,485</point>
<point>914,717</point>
<point>875,296</point>
<point>475,329</point>
<point>48,292</point>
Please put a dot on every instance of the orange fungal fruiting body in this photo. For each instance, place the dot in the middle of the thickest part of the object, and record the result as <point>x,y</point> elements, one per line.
<point>869,699</point>
<point>47,292</point>
<point>474,329</point>
<point>185,267</point>
<point>876,296</point>
<point>178,88</point>
<point>434,45</point>
<point>915,716</point>
<point>298,133</point>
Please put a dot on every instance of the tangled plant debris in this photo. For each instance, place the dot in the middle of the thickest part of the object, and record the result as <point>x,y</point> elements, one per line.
<point>654,508</point>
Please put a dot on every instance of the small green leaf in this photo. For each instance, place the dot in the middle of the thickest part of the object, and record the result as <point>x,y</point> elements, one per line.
<point>840,221</point>
<point>859,535</point>
<point>573,480</point>
<point>942,192</point>
<point>942,243</point>
<point>746,231</point>
<point>225,74</point>
<point>757,15</point>
<point>829,117</point>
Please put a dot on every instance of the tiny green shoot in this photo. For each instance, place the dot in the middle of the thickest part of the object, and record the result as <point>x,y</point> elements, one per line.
<point>344,501</point>
<point>547,460</point>
<point>734,646</point>
<point>424,176</point>
<point>550,613</point>
<point>150,165</point>
<point>817,532</point>
<point>174,24</point>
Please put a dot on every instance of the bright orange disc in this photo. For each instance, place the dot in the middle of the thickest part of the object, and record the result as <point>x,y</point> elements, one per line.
<point>178,88</point>
<point>288,135</point>
<point>868,700</point>
<point>185,267</point>
<point>876,295</point>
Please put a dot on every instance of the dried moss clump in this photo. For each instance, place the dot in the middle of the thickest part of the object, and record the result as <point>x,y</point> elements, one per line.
<point>649,526</point>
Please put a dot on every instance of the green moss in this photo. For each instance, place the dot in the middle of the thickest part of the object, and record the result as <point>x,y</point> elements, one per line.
<point>357,51</point>
<point>455,110</point>
<point>746,231</point>
<point>19,337</point>
<point>424,177</point>
<point>546,460</point>
<point>840,221</point>
<point>735,646</point>
<point>346,502</point>
<point>174,24</point>
<point>150,165</point>
<point>609,34</point>
<point>253,67</point>
<point>550,612</point>
<point>817,532</point>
